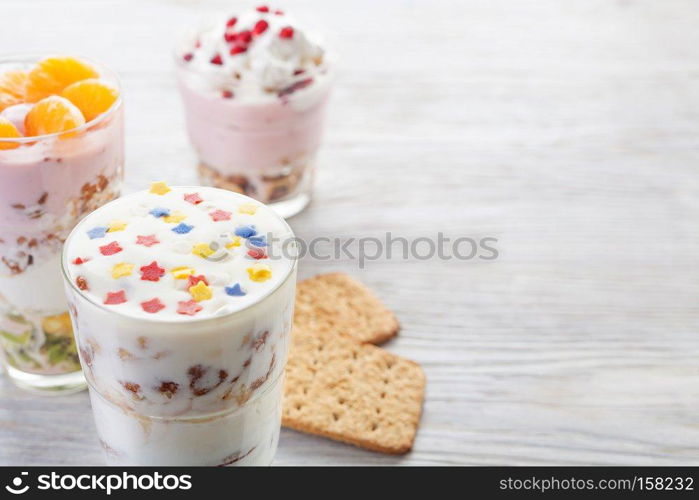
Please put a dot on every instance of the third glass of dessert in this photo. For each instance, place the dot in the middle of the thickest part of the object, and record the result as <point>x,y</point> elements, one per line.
<point>183,315</point>
<point>255,88</point>
<point>61,156</point>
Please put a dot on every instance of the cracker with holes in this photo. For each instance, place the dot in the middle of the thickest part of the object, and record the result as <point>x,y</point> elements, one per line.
<point>338,302</point>
<point>353,392</point>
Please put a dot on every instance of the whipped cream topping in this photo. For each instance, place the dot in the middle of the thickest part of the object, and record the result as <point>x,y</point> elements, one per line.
<point>259,54</point>
<point>179,253</point>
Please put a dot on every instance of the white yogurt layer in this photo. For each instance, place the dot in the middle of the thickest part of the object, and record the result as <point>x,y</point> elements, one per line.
<point>179,253</point>
<point>39,288</point>
<point>257,55</point>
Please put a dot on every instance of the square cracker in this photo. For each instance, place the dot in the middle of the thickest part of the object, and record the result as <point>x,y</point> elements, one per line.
<point>354,392</point>
<point>337,302</point>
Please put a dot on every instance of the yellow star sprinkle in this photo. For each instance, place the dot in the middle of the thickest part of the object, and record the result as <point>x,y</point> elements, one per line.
<point>235,242</point>
<point>174,217</point>
<point>159,188</point>
<point>203,250</point>
<point>116,225</point>
<point>182,272</point>
<point>259,272</point>
<point>200,291</point>
<point>122,269</point>
<point>247,208</point>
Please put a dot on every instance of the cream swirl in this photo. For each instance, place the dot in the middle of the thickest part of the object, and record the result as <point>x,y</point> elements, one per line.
<point>259,54</point>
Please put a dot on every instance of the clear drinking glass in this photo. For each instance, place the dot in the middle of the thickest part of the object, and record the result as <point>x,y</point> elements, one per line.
<point>265,150</point>
<point>47,184</point>
<point>193,392</point>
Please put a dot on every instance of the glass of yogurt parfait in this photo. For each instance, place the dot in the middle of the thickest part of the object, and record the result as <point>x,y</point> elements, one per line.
<point>255,87</point>
<point>61,156</point>
<point>182,314</point>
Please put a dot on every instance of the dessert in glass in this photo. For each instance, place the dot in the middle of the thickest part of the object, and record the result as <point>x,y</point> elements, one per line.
<point>255,87</point>
<point>61,156</point>
<point>182,299</point>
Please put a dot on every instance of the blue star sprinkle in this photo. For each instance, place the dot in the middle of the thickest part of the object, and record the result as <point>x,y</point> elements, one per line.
<point>160,212</point>
<point>182,228</point>
<point>235,290</point>
<point>258,241</point>
<point>97,232</point>
<point>245,231</point>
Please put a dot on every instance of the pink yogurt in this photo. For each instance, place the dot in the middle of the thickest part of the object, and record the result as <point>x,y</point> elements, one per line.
<point>48,185</point>
<point>233,136</point>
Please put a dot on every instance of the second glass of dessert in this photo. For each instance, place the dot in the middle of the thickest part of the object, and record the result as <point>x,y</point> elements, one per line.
<point>61,156</point>
<point>183,317</point>
<point>255,86</point>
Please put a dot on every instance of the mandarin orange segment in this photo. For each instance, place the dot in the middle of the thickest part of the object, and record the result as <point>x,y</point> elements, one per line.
<point>52,115</point>
<point>8,131</point>
<point>92,97</point>
<point>53,74</point>
<point>14,82</point>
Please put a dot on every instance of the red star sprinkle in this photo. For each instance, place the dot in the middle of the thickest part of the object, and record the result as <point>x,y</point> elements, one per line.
<point>219,215</point>
<point>114,298</point>
<point>79,260</point>
<point>152,305</point>
<point>190,308</point>
<point>257,253</point>
<point>110,249</point>
<point>152,272</point>
<point>193,198</point>
<point>193,280</point>
<point>147,241</point>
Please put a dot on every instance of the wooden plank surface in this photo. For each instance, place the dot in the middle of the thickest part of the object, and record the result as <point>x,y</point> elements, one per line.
<point>568,130</point>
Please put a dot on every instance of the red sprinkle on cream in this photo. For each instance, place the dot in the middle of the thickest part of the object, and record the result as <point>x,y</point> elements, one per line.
<point>114,298</point>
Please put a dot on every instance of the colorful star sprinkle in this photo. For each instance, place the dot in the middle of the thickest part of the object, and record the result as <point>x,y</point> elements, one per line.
<point>159,188</point>
<point>193,198</point>
<point>193,280</point>
<point>175,287</point>
<point>116,225</point>
<point>160,212</point>
<point>259,272</point>
<point>247,208</point>
<point>182,228</point>
<point>235,290</point>
<point>235,242</point>
<point>190,307</point>
<point>114,298</point>
<point>97,232</point>
<point>258,241</point>
<point>152,272</point>
<point>245,231</point>
<point>200,292</point>
<point>147,241</point>
<point>110,249</point>
<point>152,306</point>
<point>81,282</point>
<point>203,250</point>
<point>174,217</point>
<point>182,272</point>
<point>219,215</point>
<point>257,253</point>
<point>122,269</point>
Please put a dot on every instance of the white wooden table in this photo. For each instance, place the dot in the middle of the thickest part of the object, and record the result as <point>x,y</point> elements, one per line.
<point>569,130</point>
